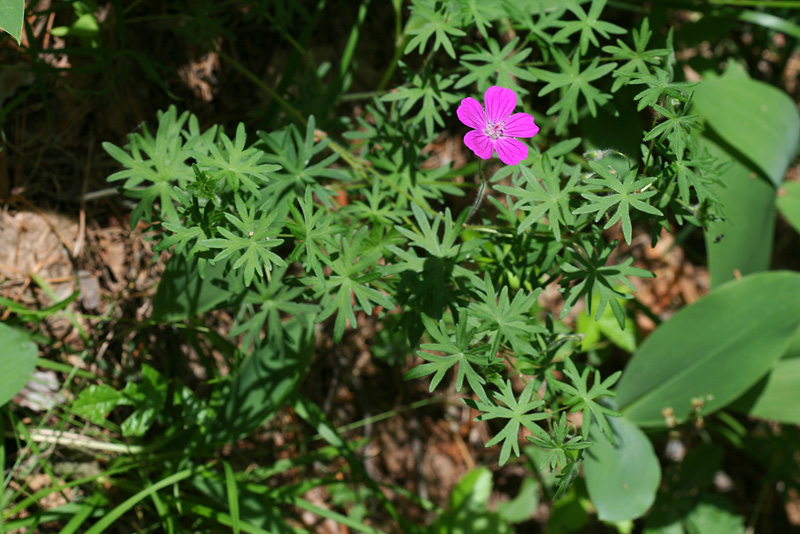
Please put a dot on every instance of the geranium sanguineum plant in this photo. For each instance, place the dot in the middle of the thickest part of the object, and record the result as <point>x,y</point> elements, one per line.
<point>496,129</point>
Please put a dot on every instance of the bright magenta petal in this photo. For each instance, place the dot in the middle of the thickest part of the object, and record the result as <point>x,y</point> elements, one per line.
<point>510,150</point>
<point>500,103</point>
<point>520,125</point>
<point>470,112</point>
<point>480,143</point>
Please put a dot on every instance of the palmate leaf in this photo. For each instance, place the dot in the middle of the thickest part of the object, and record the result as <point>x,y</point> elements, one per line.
<point>559,444</point>
<point>676,128</point>
<point>574,82</point>
<point>435,22</point>
<point>252,247</point>
<point>353,271</point>
<point>458,352</point>
<point>481,13</point>
<point>159,160</point>
<point>538,28</point>
<point>698,173</point>
<point>593,277</point>
<point>659,84</point>
<point>496,66</point>
<point>432,89</point>
<point>587,24</point>
<point>274,298</point>
<point>581,398</point>
<point>638,58</point>
<point>548,198</point>
<point>518,412</point>
<point>624,195</point>
<point>507,320</point>
<point>233,163</point>
<point>295,153</point>
<point>315,232</point>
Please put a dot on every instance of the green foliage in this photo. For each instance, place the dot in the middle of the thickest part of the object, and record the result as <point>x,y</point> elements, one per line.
<point>283,240</point>
<point>20,362</point>
<point>517,410</point>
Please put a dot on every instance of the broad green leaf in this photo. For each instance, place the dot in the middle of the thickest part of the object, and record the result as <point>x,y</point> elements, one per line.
<point>789,203</point>
<point>265,380</point>
<point>755,118</point>
<point>622,478</point>
<point>148,398</point>
<point>182,293</point>
<point>775,397</point>
<point>713,515</point>
<point>711,352</point>
<point>96,401</point>
<point>12,13</point>
<point>524,505</point>
<point>742,243</point>
<point>468,512</point>
<point>19,362</point>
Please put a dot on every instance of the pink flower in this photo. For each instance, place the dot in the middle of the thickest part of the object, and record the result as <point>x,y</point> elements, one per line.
<point>496,128</point>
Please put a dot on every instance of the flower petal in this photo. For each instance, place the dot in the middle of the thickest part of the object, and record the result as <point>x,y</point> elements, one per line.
<point>470,112</point>
<point>510,150</point>
<point>500,102</point>
<point>520,125</point>
<point>480,143</point>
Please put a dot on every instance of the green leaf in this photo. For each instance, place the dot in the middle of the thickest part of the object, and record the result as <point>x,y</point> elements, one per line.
<point>625,194</point>
<point>432,90</point>
<point>315,232</point>
<point>789,203</point>
<point>496,66</point>
<point>639,57</point>
<point>775,397</point>
<point>19,362</point>
<point>12,14</point>
<point>524,505</point>
<point>659,85</point>
<point>252,248</point>
<point>456,352</point>
<point>265,381</point>
<point>714,515</point>
<point>574,82</point>
<point>229,160</point>
<point>581,398</point>
<point>546,198</point>
<point>711,352</point>
<point>755,118</point>
<point>182,293</point>
<point>518,412</point>
<point>353,274</point>
<point>623,477</point>
<point>468,513</point>
<point>508,320</point>
<point>558,444</point>
<point>587,24</point>
<point>95,402</point>
<point>426,21</point>
<point>148,398</point>
<point>593,277</point>
<point>742,242</point>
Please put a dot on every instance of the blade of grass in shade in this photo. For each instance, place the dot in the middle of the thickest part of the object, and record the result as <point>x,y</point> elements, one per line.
<point>770,21</point>
<point>335,516</point>
<point>41,494</point>
<point>233,497</point>
<point>78,519</point>
<point>164,513</point>
<point>117,512</point>
<point>224,519</point>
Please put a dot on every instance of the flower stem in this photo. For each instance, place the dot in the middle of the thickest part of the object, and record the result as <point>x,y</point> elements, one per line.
<point>480,195</point>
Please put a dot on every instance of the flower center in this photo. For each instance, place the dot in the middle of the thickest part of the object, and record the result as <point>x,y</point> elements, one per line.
<point>495,130</point>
